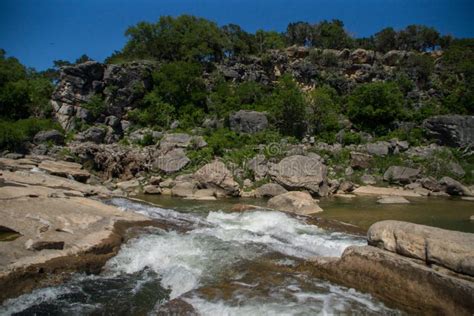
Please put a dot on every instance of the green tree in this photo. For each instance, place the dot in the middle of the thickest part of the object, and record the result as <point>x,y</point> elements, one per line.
<point>153,112</point>
<point>240,43</point>
<point>375,106</point>
<point>386,40</point>
<point>323,110</point>
<point>331,35</point>
<point>268,40</point>
<point>299,33</point>
<point>288,106</point>
<point>180,84</point>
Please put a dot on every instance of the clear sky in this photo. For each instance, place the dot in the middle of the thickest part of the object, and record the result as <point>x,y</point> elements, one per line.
<point>40,31</point>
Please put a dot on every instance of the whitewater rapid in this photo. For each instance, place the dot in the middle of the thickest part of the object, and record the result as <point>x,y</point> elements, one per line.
<point>160,265</point>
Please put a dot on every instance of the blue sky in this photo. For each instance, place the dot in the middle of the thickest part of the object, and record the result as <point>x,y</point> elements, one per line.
<point>40,31</point>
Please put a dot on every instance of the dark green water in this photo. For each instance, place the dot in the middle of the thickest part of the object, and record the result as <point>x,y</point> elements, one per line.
<point>447,213</point>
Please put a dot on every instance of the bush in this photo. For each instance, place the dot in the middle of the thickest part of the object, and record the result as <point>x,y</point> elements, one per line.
<point>324,110</point>
<point>95,106</point>
<point>13,135</point>
<point>374,106</point>
<point>152,112</point>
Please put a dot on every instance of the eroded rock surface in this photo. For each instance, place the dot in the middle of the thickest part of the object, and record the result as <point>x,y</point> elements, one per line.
<point>300,203</point>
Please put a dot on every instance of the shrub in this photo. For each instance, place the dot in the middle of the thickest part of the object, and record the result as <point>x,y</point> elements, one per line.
<point>152,112</point>
<point>374,106</point>
<point>323,110</point>
<point>95,106</point>
<point>13,135</point>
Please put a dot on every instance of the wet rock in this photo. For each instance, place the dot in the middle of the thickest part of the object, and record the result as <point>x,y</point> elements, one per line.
<point>52,136</point>
<point>269,190</point>
<point>295,202</point>
<point>453,187</point>
<point>301,173</point>
<point>392,200</point>
<point>399,281</point>
<point>215,175</point>
<point>248,121</point>
<point>451,130</point>
<point>360,160</point>
<point>451,249</point>
<point>244,207</point>
<point>176,306</point>
<point>400,174</point>
<point>42,244</point>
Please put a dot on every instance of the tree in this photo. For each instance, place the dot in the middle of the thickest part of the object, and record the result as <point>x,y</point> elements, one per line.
<point>331,35</point>
<point>323,110</point>
<point>288,106</point>
<point>82,59</point>
<point>180,84</point>
<point>239,42</point>
<point>183,38</point>
<point>374,106</point>
<point>386,40</point>
<point>268,40</point>
<point>299,33</point>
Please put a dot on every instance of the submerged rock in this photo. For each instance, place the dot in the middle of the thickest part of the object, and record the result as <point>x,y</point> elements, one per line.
<point>295,202</point>
<point>392,200</point>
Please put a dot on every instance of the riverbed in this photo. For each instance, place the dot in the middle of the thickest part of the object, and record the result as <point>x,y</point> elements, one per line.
<point>223,263</point>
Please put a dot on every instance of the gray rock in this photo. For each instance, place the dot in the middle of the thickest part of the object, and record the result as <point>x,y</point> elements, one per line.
<point>453,187</point>
<point>181,140</point>
<point>399,174</point>
<point>259,166</point>
<point>451,249</point>
<point>378,148</point>
<point>53,136</point>
<point>93,134</point>
<point>173,161</point>
<point>112,121</point>
<point>269,190</point>
<point>346,186</point>
<point>360,160</point>
<point>456,169</point>
<point>300,203</point>
<point>215,175</point>
<point>431,184</point>
<point>451,130</point>
<point>184,189</point>
<point>248,121</point>
<point>368,179</point>
<point>301,173</point>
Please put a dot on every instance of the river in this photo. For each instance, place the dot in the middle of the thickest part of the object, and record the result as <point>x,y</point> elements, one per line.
<point>224,263</point>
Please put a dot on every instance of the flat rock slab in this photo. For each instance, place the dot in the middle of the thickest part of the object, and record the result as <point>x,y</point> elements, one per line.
<point>371,190</point>
<point>65,169</point>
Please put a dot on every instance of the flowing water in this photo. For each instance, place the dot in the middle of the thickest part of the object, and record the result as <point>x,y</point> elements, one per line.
<point>221,263</point>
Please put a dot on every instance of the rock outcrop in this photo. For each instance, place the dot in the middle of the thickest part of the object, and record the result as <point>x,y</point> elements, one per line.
<point>450,249</point>
<point>300,203</point>
<point>451,130</point>
<point>400,174</point>
<point>301,173</point>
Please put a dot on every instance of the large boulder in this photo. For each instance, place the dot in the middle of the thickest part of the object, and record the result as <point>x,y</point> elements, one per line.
<point>450,249</point>
<point>301,173</point>
<point>259,166</point>
<point>269,190</point>
<point>400,174</point>
<point>453,187</point>
<point>248,121</point>
<point>65,169</point>
<point>300,203</point>
<point>451,130</point>
<point>181,140</point>
<point>380,148</point>
<point>362,56</point>
<point>215,175</point>
<point>399,281</point>
<point>360,160</point>
<point>173,161</point>
<point>95,134</point>
<point>53,136</point>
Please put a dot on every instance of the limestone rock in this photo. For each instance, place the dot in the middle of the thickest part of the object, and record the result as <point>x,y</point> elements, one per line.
<point>451,130</point>
<point>65,169</point>
<point>360,160</point>
<point>173,161</point>
<point>301,173</point>
<point>453,187</point>
<point>53,136</point>
<point>295,202</point>
<point>400,174</point>
<point>451,249</point>
<point>371,190</point>
<point>248,121</point>
<point>269,190</point>
<point>380,148</point>
<point>215,175</point>
<point>392,200</point>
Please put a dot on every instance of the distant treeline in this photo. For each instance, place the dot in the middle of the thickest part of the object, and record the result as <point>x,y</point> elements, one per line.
<point>191,38</point>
